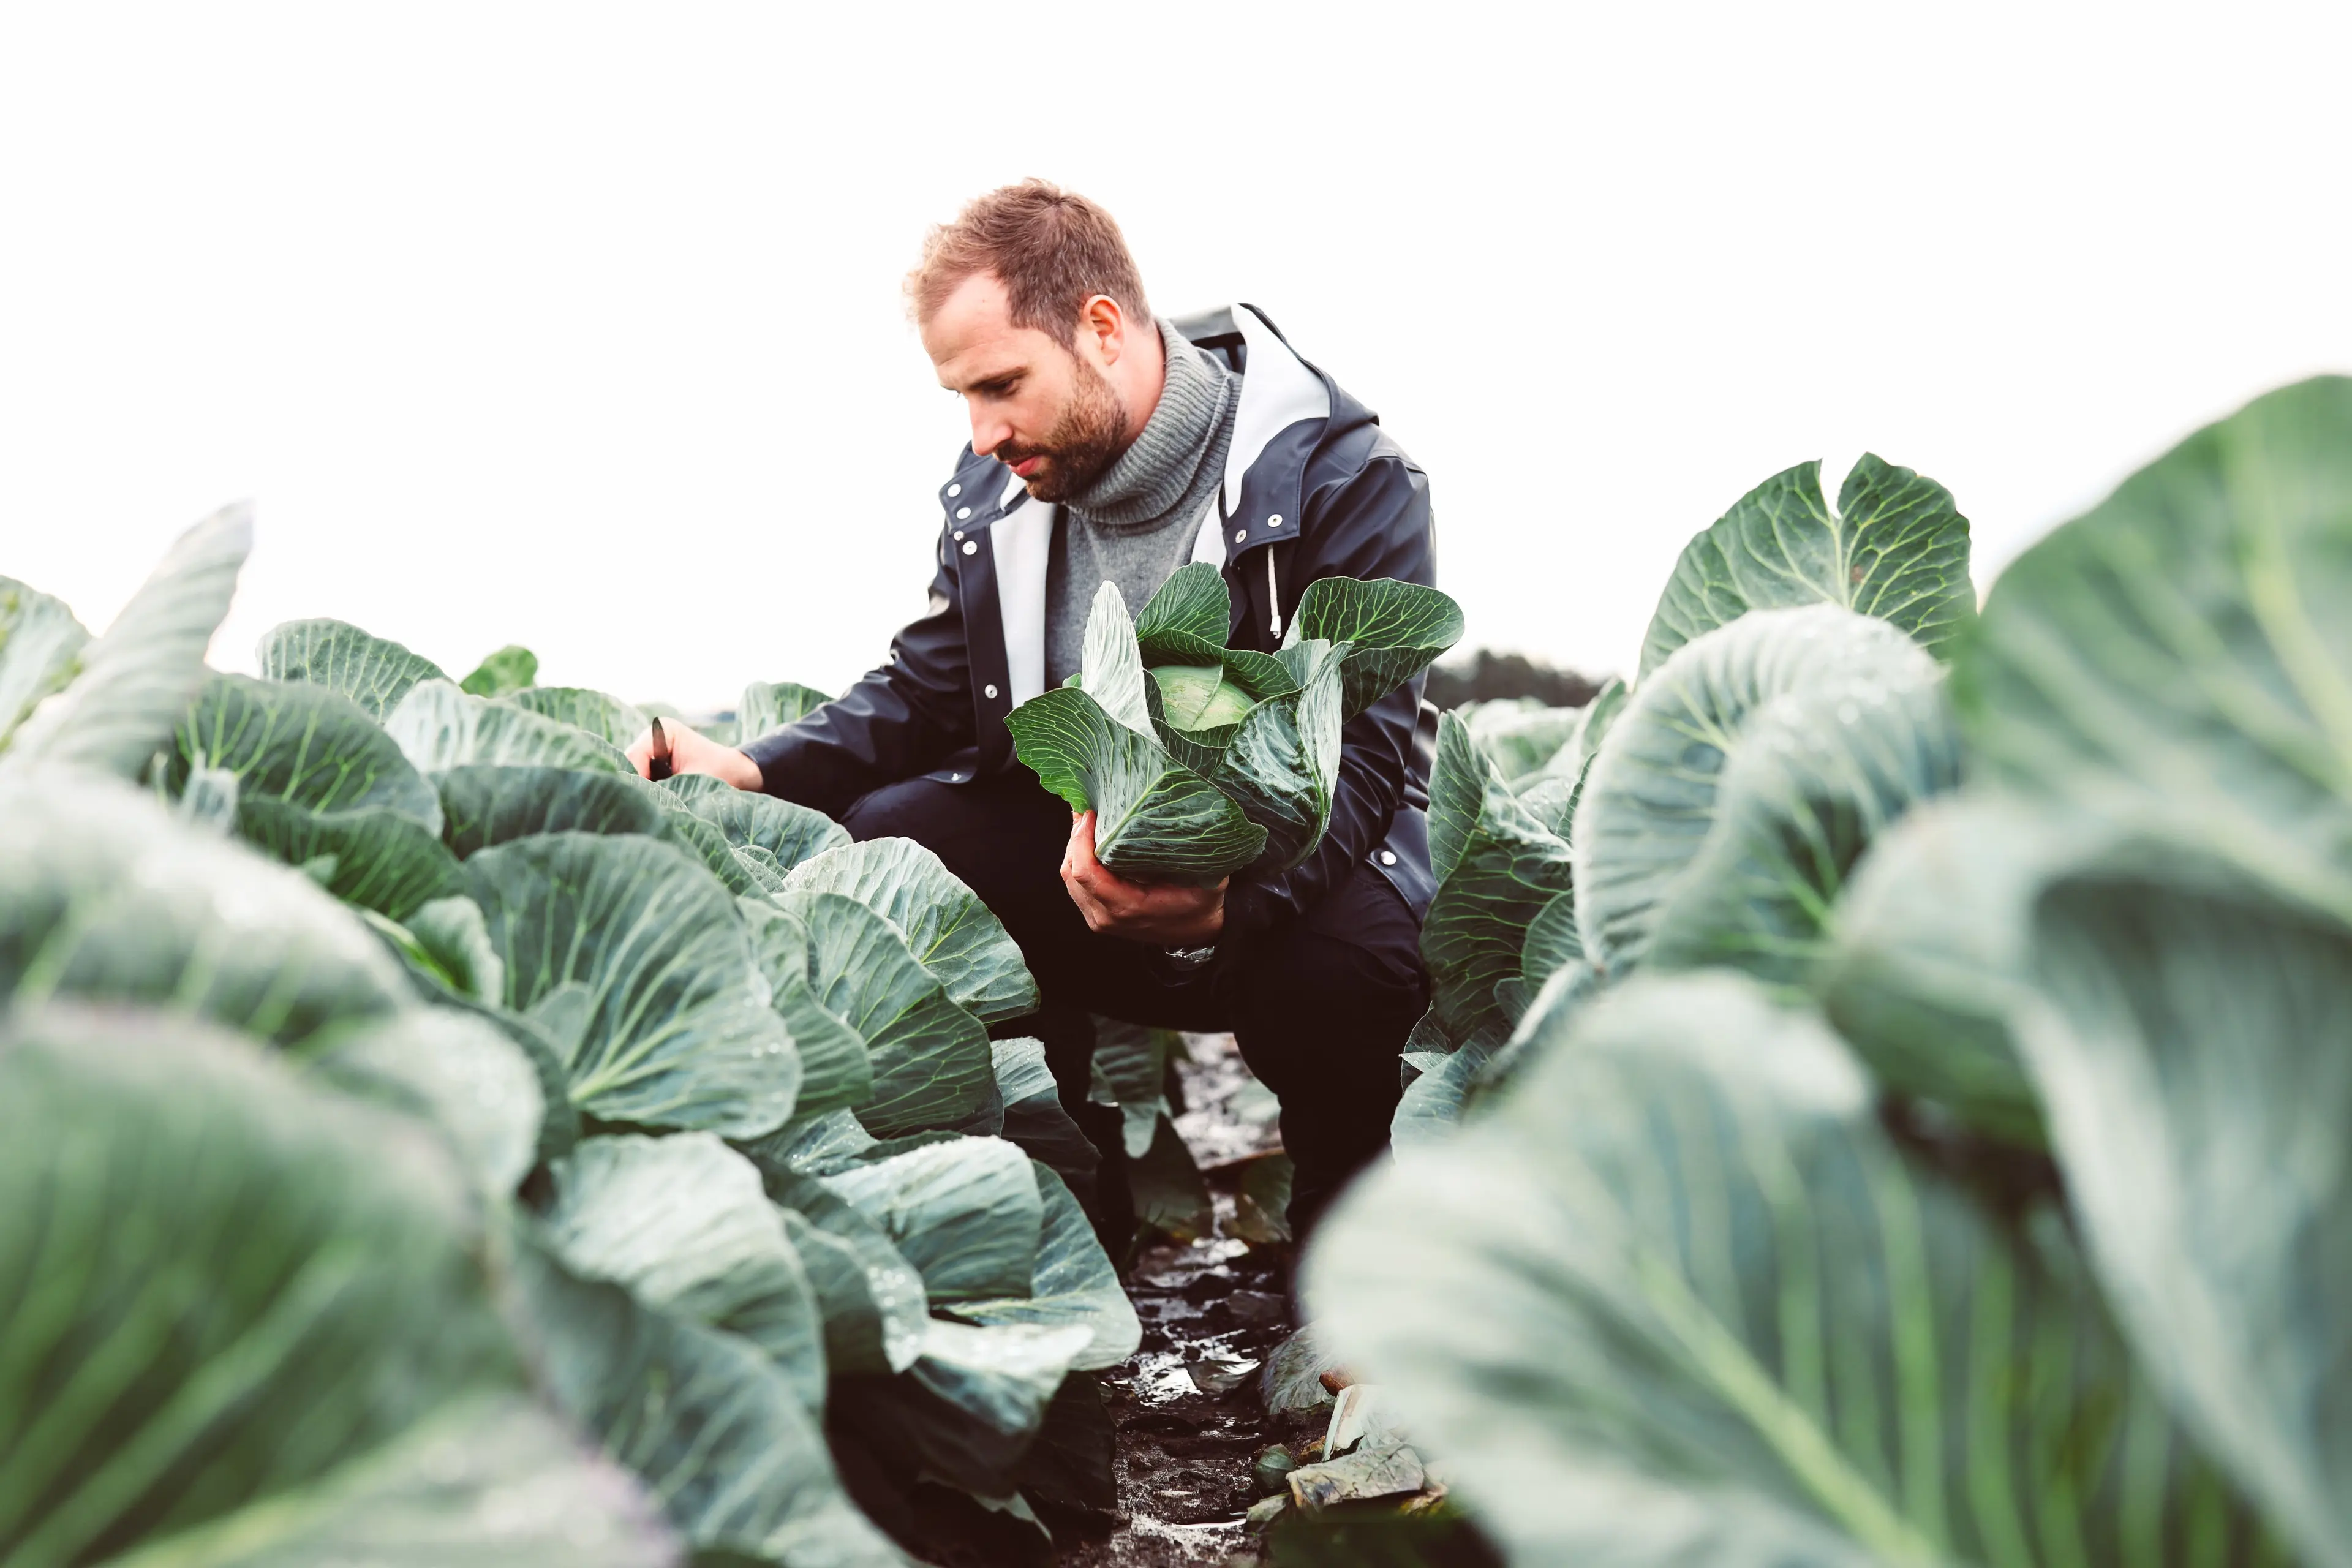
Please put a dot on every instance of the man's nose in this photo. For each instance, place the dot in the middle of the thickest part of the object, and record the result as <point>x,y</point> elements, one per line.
<point>989,432</point>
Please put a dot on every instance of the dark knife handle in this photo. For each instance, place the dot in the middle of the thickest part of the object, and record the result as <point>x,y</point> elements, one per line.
<point>657,762</point>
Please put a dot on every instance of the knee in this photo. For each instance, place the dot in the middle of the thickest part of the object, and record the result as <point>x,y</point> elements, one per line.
<point>1317,1005</point>
<point>909,809</point>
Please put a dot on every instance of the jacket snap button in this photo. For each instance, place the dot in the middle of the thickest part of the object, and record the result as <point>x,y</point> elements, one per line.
<point>1388,857</point>
<point>954,490</point>
<point>988,690</point>
<point>1273,522</point>
<point>962,513</point>
<point>959,533</point>
<point>1240,535</point>
<point>972,547</point>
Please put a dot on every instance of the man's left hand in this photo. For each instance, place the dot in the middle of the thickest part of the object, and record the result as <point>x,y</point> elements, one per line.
<point>1163,915</point>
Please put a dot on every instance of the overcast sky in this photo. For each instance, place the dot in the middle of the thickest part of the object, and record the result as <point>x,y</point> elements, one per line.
<point>579,326</point>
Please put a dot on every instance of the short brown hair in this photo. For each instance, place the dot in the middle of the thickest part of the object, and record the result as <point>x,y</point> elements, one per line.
<point>1053,249</point>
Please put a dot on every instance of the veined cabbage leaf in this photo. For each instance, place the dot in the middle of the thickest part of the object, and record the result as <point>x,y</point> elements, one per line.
<point>634,960</point>
<point>684,1224</point>
<point>40,650</point>
<point>135,681</point>
<point>262,1257</point>
<point>1743,781</point>
<point>2181,651</point>
<point>2191,1034</point>
<point>372,671</point>
<point>1896,548</point>
<point>1725,1317</point>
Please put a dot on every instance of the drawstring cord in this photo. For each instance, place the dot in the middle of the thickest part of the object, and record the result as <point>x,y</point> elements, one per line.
<point>1273,596</point>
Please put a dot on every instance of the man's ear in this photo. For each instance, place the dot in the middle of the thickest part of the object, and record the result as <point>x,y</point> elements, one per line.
<point>1102,331</point>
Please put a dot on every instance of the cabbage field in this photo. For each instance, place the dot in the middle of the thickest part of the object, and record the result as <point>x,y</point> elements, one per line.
<point>1883,1097</point>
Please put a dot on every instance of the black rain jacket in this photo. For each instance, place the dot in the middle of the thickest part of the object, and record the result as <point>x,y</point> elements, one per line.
<point>1314,489</point>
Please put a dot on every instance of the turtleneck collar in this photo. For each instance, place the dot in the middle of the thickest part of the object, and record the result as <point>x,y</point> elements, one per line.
<point>1170,470</point>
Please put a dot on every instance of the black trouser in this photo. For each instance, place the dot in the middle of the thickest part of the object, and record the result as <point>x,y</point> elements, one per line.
<point>1320,1006</point>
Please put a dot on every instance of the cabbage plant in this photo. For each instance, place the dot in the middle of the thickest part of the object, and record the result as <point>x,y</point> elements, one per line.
<point>555,1167</point>
<point>1199,760</point>
<point>1922,1100</point>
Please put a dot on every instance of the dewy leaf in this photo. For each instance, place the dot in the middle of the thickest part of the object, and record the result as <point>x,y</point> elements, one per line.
<point>303,745</point>
<point>713,1426</point>
<point>767,706</point>
<point>949,930</point>
<point>1725,1318</point>
<point>969,1407</point>
<point>2192,1051</point>
<point>610,720</point>
<point>653,969</point>
<point>1930,954</point>
<point>1074,1283</point>
<point>1155,820</point>
<point>836,1074</point>
<point>1392,631</point>
<point>471,1079</point>
<point>137,680</point>
<point>484,805</point>
<point>1497,870</point>
<point>440,728</point>
<point>748,818</point>
<point>104,896</point>
<point>40,645</point>
<point>965,1213</point>
<point>213,1256</point>
<point>1744,780</point>
<point>1112,670</point>
<point>930,1057</point>
<point>1897,549</point>
<point>512,668</point>
<point>371,671</point>
<point>2181,651</point>
<point>684,1224</point>
<point>875,1305</point>
<point>1035,1118</point>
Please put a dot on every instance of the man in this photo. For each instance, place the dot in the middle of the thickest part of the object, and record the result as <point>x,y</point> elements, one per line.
<point>1107,446</point>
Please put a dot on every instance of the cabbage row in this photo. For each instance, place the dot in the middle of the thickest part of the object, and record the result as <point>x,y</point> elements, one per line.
<point>1885,1092</point>
<point>423,1140</point>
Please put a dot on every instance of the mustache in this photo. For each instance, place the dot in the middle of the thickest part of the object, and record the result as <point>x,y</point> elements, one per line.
<point>1011,455</point>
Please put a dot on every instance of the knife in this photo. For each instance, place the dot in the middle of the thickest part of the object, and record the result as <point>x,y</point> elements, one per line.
<point>657,761</point>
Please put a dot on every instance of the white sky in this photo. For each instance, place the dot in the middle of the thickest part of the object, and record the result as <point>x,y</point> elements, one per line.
<point>579,326</point>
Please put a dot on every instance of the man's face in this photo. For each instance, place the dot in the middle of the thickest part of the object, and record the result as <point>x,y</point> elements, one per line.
<point>1036,406</point>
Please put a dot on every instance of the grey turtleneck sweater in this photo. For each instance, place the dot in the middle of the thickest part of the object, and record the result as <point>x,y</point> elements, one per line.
<point>1135,525</point>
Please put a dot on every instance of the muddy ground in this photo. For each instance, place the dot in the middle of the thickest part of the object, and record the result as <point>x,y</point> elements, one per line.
<point>1213,1309</point>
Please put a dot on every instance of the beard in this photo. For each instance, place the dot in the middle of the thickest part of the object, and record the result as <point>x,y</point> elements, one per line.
<point>1086,439</point>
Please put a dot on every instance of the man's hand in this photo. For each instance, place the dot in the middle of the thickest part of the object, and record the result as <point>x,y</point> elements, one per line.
<point>1163,915</point>
<point>693,753</point>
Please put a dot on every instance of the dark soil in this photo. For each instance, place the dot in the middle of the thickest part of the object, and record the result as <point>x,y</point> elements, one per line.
<point>1213,1309</point>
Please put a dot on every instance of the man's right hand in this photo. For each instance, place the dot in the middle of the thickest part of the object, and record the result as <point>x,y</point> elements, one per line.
<point>693,753</point>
